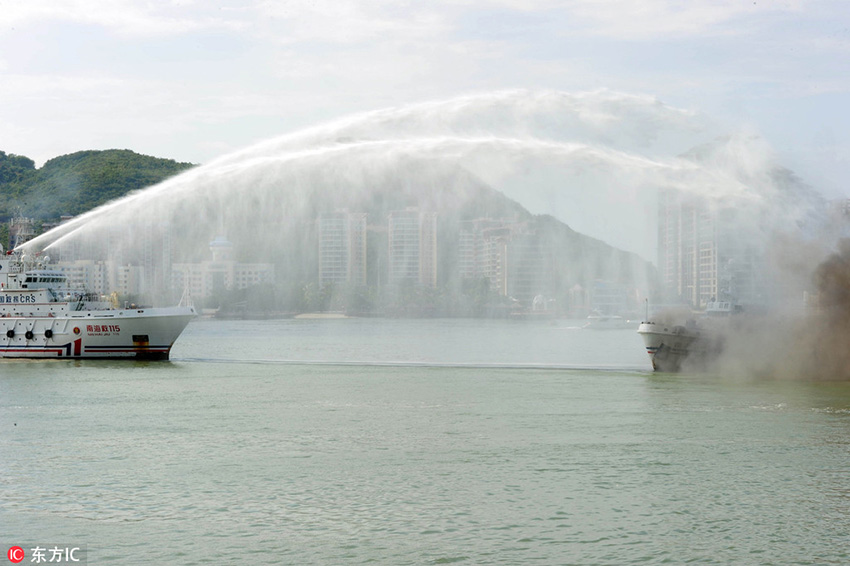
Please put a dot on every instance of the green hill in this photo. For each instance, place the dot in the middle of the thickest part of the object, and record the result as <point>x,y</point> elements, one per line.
<point>77,182</point>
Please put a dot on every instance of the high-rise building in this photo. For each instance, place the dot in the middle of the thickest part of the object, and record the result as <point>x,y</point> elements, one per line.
<point>482,250</point>
<point>342,248</point>
<point>706,251</point>
<point>220,273</point>
<point>156,257</point>
<point>508,254</point>
<point>527,271</point>
<point>412,237</point>
<point>103,277</point>
<point>494,256</point>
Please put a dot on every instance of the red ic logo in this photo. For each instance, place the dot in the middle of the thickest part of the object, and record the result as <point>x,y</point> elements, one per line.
<point>15,554</point>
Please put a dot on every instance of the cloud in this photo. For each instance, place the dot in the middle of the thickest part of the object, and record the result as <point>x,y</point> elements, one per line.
<point>122,17</point>
<point>350,22</point>
<point>664,19</point>
<point>267,66</point>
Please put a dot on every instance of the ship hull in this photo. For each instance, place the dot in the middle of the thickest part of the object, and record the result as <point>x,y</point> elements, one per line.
<point>145,334</point>
<point>671,348</point>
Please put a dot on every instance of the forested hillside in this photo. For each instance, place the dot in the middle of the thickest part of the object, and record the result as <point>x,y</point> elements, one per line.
<point>77,182</point>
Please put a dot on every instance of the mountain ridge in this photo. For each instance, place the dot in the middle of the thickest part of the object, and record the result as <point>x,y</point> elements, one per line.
<point>76,182</point>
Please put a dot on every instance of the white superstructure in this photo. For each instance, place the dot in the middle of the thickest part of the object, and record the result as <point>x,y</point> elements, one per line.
<point>41,316</point>
<point>668,346</point>
<point>693,344</point>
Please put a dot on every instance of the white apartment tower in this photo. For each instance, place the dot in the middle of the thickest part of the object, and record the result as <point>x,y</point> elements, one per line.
<point>706,251</point>
<point>342,248</point>
<point>482,251</point>
<point>412,237</point>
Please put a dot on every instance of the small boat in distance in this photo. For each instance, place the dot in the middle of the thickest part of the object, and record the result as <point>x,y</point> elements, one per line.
<point>42,317</point>
<point>608,322</point>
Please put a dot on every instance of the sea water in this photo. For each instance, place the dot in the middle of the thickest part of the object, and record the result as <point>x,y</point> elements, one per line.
<point>419,442</point>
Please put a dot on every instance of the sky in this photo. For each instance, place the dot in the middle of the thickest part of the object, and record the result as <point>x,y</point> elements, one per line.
<point>195,80</point>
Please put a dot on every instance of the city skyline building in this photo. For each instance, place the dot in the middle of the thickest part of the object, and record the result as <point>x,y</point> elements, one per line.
<point>342,248</point>
<point>510,255</point>
<point>156,256</point>
<point>526,270</point>
<point>103,277</point>
<point>220,273</point>
<point>412,247</point>
<point>482,251</point>
<point>706,252</point>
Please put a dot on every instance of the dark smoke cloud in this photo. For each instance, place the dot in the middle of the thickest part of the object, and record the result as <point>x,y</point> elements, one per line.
<point>809,345</point>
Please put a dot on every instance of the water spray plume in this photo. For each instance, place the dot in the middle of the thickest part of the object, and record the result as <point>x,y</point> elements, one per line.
<point>593,160</point>
<point>546,150</point>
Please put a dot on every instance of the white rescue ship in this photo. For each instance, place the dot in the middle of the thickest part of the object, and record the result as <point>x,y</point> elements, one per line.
<point>41,317</point>
<point>694,344</point>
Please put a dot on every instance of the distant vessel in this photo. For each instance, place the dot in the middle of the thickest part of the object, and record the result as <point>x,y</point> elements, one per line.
<point>696,342</point>
<point>608,322</point>
<point>41,317</point>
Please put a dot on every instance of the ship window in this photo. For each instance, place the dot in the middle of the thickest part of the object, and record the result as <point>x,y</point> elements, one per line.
<point>28,280</point>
